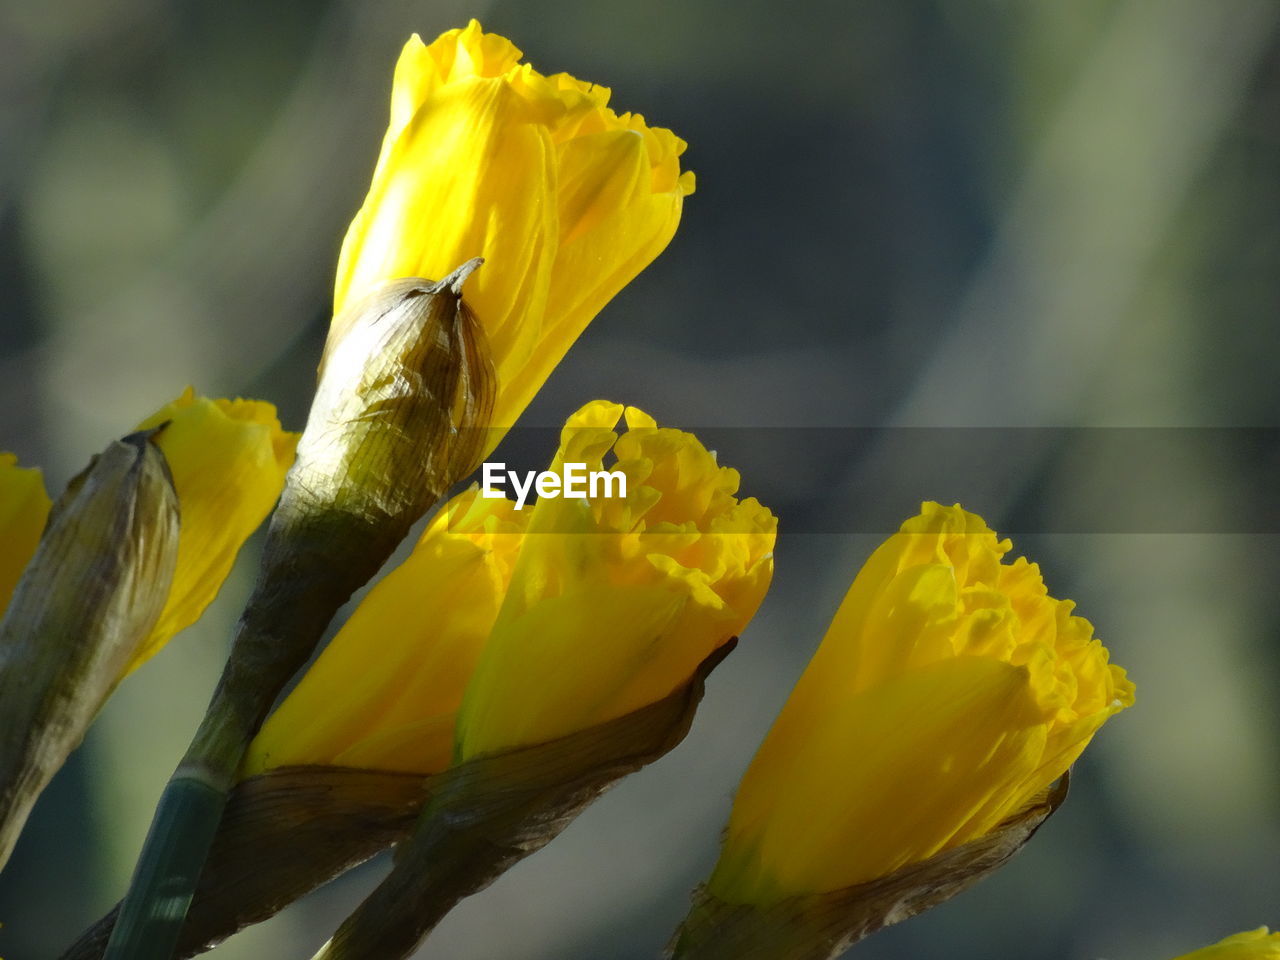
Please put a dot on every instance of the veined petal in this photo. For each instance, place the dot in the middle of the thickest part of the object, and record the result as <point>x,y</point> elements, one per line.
<point>383,694</point>
<point>24,507</point>
<point>949,691</point>
<point>862,787</point>
<point>615,600</point>
<point>228,459</point>
<point>565,199</point>
<point>471,175</point>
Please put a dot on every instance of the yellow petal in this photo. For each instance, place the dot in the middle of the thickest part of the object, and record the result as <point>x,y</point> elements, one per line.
<point>565,199</point>
<point>579,683</point>
<point>614,601</point>
<point>949,690</point>
<point>24,507</point>
<point>383,694</point>
<point>879,780</point>
<point>471,175</point>
<point>228,459</point>
<point>1251,945</point>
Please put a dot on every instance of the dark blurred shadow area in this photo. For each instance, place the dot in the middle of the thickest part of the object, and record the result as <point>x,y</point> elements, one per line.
<point>1021,255</point>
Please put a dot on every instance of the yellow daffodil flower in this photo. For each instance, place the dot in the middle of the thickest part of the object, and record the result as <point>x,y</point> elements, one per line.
<point>615,600</point>
<point>24,507</point>
<point>634,591</point>
<point>228,459</point>
<point>384,693</point>
<point>484,156</point>
<point>949,691</point>
<point>1252,945</point>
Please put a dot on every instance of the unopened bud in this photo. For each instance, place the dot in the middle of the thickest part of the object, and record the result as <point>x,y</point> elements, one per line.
<point>399,415</point>
<point>88,599</point>
<point>403,399</point>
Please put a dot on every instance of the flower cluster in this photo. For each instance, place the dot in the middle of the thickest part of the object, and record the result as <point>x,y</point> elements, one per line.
<point>518,662</point>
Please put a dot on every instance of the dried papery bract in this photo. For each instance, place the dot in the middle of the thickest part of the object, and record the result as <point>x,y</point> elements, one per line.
<point>399,415</point>
<point>87,600</point>
<point>488,813</point>
<point>284,833</point>
<point>823,926</point>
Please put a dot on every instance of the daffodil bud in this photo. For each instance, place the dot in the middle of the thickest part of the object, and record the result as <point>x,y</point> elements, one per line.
<point>398,416</point>
<point>619,605</point>
<point>484,156</point>
<point>1258,944</point>
<point>228,460</point>
<point>615,600</point>
<point>86,602</point>
<point>916,753</point>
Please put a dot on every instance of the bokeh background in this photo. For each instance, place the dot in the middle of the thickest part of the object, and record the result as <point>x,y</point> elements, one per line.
<point>946,214</point>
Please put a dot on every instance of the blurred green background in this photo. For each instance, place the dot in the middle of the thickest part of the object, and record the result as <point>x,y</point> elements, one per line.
<point>957,213</point>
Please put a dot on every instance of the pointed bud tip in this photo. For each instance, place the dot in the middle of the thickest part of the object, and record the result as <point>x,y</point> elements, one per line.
<point>458,277</point>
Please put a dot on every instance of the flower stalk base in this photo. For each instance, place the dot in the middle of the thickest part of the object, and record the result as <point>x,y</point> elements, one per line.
<point>823,926</point>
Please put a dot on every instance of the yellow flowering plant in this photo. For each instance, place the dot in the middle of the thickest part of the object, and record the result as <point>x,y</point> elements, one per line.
<point>223,464</point>
<point>518,663</point>
<point>658,579</point>
<point>228,459</point>
<point>615,609</point>
<point>949,693</point>
<point>1251,945</point>
<point>486,157</point>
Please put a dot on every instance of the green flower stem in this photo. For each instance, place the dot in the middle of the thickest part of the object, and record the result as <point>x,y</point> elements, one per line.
<point>179,840</point>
